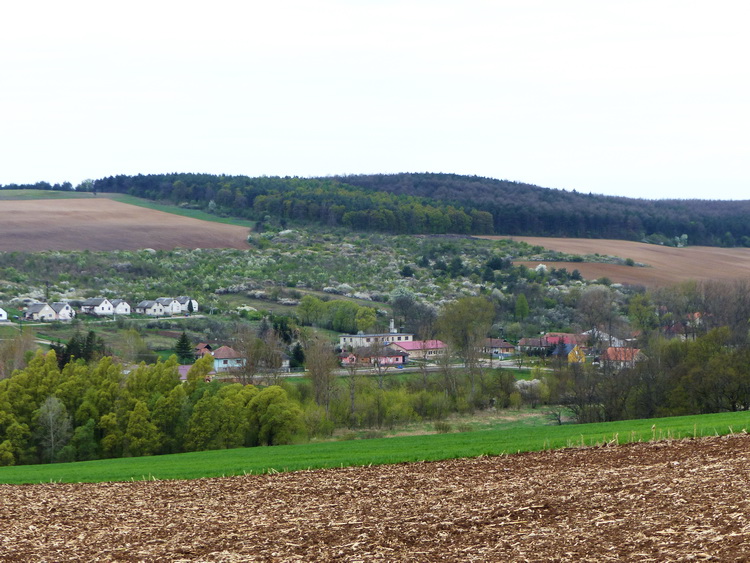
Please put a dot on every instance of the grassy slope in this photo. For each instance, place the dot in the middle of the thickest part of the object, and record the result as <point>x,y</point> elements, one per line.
<point>42,194</point>
<point>379,451</point>
<point>173,209</point>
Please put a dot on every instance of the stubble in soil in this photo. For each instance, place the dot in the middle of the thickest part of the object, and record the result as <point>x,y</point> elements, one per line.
<point>673,501</point>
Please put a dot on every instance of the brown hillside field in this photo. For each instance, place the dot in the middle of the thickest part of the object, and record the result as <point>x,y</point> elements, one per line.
<point>104,224</point>
<point>683,500</point>
<point>666,265</point>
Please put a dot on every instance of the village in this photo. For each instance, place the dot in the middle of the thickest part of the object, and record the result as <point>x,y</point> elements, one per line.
<point>392,349</point>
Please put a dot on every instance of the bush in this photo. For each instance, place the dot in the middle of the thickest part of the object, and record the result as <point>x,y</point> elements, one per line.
<point>442,427</point>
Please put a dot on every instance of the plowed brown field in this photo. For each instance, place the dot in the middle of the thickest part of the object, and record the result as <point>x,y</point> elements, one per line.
<point>666,265</point>
<point>666,501</point>
<point>104,224</point>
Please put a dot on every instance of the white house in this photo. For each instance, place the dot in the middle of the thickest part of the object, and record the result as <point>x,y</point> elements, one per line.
<point>150,308</point>
<point>63,311</point>
<point>227,359</point>
<point>185,302</point>
<point>121,307</point>
<point>99,306</point>
<point>40,312</point>
<point>170,304</point>
<point>3,315</point>
<point>362,340</point>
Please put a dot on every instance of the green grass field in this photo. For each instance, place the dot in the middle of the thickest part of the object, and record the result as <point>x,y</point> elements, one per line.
<point>174,210</point>
<point>378,451</point>
<point>42,194</point>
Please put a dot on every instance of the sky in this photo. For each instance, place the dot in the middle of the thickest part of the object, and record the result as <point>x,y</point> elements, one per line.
<point>640,99</point>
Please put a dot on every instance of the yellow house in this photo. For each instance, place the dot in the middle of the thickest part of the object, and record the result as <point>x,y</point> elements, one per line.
<point>571,353</point>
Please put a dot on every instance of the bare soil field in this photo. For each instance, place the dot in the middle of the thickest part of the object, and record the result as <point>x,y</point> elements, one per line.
<point>685,500</point>
<point>104,224</point>
<point>666,265</point>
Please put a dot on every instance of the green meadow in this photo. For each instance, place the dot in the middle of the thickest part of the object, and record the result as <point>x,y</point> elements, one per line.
<point>175,210</point>
<point>43,194</point>
<point>431,447</point>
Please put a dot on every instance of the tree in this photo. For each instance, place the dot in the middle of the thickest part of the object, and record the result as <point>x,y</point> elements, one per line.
<point>53,427</point>
<point>184,349</point>
<point>13,352</point>
<point>464,324</point>
<point>249,346</point>
<point>274,418</point>
<point>366,318</point>
<point>522,307</point>
<point>321,365</point>
<point>141,436</point>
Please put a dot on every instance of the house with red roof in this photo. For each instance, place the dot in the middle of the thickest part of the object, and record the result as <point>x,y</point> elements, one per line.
<point>420,349</point>
<point>498,348</point>
<point>227,359</point>
<point>620,357</point>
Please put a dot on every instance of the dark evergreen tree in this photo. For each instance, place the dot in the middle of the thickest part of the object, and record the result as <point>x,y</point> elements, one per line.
<point>184,349</point>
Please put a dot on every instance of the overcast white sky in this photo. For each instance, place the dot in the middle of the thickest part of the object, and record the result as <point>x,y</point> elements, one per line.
<point>637,98</point>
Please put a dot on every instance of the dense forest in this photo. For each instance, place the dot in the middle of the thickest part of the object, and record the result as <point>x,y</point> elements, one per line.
<point>439,204</point>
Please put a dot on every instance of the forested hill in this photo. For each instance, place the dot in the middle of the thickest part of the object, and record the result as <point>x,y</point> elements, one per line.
<point>443,203</point>
<point>525,209</point>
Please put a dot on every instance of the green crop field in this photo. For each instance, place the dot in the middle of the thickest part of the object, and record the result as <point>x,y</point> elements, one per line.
<point>175,210</point>
<point>378,451</point>
<point>42,194</point>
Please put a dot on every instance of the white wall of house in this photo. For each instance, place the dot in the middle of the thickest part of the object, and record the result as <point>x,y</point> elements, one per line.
<point>3,315</point>
<point>122,308</point>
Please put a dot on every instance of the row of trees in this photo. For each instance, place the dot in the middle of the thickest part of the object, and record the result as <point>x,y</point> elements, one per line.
<point>92,410</point>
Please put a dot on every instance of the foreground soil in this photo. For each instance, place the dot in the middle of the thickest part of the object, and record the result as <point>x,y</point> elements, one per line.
<point>666,265</point>
<point>105,224</point>
<point>666,501</point>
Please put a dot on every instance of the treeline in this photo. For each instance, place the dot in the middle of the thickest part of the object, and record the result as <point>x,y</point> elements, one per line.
<point>64,187</point>
<point>326,201</point>
<point>525,209</point>
<point>96,410</point>
<point>678,377</point>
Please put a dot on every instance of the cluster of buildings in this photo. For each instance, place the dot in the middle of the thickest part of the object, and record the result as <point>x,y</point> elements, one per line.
<point>395,348</point>
<point>574,348</point>
<point>103,307</point>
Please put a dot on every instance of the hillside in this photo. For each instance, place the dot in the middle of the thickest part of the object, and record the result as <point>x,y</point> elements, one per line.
<point>446,203</point>
<point>642,502</point>
<point>438,204</point>
<point>104,224</point>
<point>665,265</point>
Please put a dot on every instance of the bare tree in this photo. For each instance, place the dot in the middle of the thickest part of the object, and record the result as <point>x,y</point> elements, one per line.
<point>53,426</point>
<point>354,376</point>
<point>13,352</point>
<point>321,365</point>
<point>247,344</point>
<point>465,324</point>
